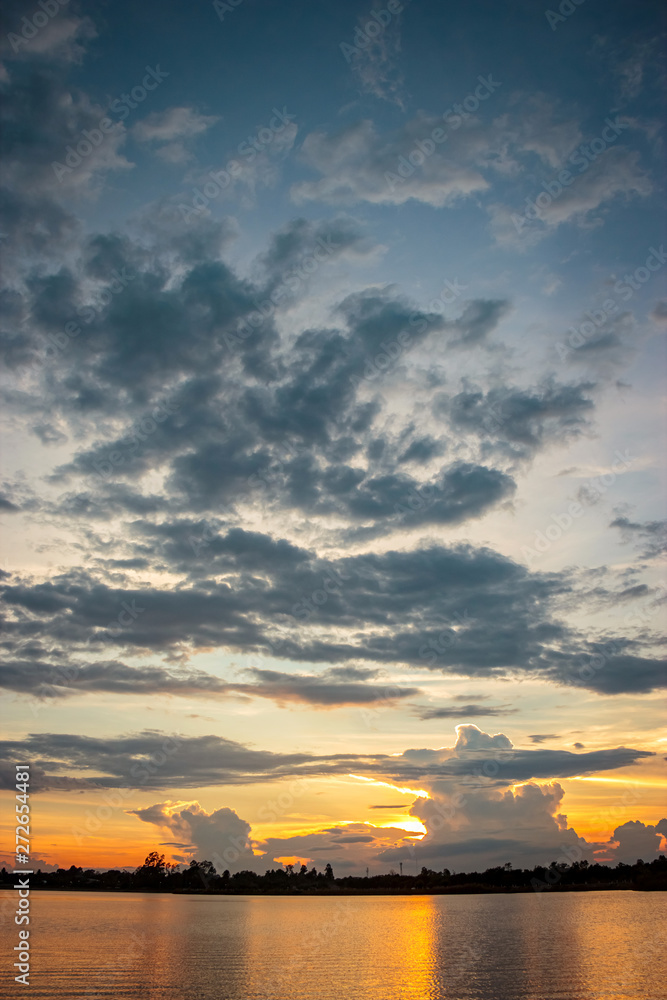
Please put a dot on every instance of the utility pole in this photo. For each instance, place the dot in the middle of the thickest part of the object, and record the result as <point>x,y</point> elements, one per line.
<point>400,865</point>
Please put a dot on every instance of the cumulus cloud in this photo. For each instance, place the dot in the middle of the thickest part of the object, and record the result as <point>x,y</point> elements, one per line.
<point>226,840</point>
<point>199,834</point>
<point>484,828</point>
<point>635,840</point>
<point>470,824</point>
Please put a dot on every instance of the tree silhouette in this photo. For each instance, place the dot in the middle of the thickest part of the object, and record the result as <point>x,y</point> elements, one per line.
<point>153,870</point>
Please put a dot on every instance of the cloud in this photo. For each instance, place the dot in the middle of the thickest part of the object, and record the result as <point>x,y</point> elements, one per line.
<point>465,711</point>
<point>521,422</point>
<point>355,162</point>
<point>635,840</point>
<point>615,173</point>
<point>650,537</point>
<point>332,689</point>
<point>226,840</point>
<point>328,690</point>
<point>43,116</point>
<point>489,828</point>
<point>172,123</point>
<point>164,128</point>
<point>157,760</point>
<point>659,313</point>
<point>456,610</point>
<point>200,834</point>
<point>467,821</point>
<point>376,57</point>
<point>472,738</point>
<point>61,40</point>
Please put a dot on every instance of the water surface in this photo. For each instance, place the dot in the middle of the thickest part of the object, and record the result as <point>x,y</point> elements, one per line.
<point>135,946</point>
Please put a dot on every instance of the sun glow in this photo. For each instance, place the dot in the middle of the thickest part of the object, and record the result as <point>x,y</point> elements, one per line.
<point>418,792</point>
<point>409,825</point>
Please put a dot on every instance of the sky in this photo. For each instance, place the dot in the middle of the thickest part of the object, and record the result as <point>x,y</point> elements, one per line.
<point>332,496</point>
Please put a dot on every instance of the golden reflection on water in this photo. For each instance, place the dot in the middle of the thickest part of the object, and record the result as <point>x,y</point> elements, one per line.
<point>563,946</point>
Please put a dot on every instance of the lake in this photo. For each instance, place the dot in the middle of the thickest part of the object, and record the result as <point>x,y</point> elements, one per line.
<point>607,945</point>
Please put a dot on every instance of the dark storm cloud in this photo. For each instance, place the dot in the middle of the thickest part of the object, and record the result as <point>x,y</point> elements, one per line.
<point>154,331</point>
<point>608,669</point>
<point>159,760</point>
<point>62,678</point>
<point>157,357</point>
<point>455,610</point>
<point>509,766</point>
<point>217,455</point>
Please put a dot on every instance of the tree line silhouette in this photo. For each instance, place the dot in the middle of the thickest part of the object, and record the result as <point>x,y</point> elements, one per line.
<point>158,875</point>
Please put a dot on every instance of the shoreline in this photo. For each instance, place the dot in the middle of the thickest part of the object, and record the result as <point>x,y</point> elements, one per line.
<point>476,890</point>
